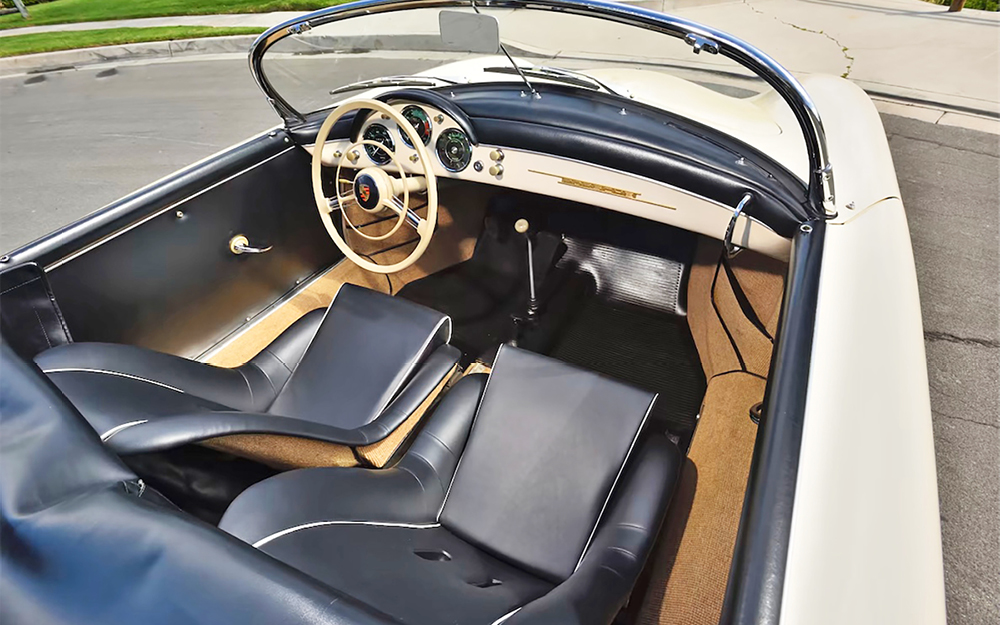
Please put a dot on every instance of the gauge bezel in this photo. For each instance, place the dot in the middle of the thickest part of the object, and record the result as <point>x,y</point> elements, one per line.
<point>430,125</point>
<point>465,139</point>
<point>369,149</point>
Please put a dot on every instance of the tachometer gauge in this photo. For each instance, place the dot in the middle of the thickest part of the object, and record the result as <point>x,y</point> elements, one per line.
<point>421,123</point>
<point>454,149</point>
<point>379,134</point>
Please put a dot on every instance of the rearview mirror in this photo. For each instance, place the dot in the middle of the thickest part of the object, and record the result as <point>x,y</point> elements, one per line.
<point>469,32</point>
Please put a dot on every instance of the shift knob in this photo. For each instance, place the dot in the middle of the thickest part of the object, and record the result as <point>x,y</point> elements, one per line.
<point>521,225</point>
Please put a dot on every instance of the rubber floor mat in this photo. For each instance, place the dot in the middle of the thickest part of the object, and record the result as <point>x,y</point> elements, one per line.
<point>649,349</point>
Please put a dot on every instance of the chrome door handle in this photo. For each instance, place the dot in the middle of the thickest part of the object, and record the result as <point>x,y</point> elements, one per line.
<point>241,245</point>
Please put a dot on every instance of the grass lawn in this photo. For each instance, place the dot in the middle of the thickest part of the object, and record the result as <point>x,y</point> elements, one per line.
<point>982,5</point>
<point>63,11</point>
<point>67,40</point>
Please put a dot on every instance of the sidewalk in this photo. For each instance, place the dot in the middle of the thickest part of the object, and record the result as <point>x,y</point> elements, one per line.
<point>902,49</point>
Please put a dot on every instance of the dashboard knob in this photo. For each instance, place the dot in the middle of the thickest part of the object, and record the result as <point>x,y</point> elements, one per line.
<point>496,170</point>
<point>496,155</point>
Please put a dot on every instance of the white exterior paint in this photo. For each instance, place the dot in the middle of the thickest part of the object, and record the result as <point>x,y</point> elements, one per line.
<point>865,544</point>
<point>855,138</point>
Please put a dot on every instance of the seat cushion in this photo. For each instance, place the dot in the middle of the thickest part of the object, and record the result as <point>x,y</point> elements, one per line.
<point>350,374</point>
<point>425,576</point>
<point>113,385</point>
<point>547,446</point>
<point>365,350</point>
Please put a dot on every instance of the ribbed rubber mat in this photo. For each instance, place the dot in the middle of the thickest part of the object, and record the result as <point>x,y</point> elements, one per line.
<point>649,349</point>
<point>628,276</point>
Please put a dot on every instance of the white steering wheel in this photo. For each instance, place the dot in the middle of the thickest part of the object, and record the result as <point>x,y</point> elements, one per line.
<point>373,189</point>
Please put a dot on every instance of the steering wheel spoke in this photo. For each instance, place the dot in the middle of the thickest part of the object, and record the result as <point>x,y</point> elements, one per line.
<point>339,202</point>
<point>413,220</point>
<point>372,189</point>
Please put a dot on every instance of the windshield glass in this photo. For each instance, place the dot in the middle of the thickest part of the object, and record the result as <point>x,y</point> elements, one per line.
<point>425,47</point>
<point>305,67</point>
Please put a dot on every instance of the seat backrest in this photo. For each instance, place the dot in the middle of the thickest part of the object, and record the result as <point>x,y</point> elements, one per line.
<point>365,350</point>
<point>548,444</point>
<point>84,541</point>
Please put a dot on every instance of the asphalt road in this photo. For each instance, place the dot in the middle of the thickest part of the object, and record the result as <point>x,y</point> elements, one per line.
<point>74,141</point>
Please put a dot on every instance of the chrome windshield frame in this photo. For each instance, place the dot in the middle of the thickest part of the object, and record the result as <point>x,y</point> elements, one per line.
<point>703,38</point>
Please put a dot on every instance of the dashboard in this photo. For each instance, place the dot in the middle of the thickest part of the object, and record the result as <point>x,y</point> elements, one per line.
<point>516,151</point>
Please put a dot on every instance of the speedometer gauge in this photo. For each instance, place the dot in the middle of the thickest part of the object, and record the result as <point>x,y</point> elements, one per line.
<point>421,123</point>
<point>379,134</point>
<point>454,149</point>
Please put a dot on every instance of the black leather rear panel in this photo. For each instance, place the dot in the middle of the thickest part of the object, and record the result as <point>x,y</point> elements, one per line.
<point>30,319</point>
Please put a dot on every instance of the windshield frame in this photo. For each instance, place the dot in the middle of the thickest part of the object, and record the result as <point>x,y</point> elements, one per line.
<point>701,38</point>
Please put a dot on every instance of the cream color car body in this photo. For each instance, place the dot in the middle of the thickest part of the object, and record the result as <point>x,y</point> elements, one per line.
<point>865,533</point>
<point>840,520</point>
<point>865,536</point>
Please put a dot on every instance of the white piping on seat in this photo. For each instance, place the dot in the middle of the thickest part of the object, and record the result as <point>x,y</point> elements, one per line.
<point>117,373</point>
<point>475,417</point>
<point>635,439</point>
<point>506,616</point>
<point>414,365</point>
<point>119,428</point>
<point>305,526</point>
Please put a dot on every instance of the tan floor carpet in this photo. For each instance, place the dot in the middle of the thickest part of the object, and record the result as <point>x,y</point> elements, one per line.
<point>460,216</point>
<point>691,562</point>
<point>690,565</point>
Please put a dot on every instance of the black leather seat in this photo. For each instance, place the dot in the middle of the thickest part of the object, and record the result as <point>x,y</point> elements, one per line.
<point>531,496</point>
<point>350,374</point>
<point>85,541</point>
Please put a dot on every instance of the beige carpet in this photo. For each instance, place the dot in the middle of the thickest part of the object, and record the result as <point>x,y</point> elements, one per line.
<point>690,564</point>
<point>460,217</point>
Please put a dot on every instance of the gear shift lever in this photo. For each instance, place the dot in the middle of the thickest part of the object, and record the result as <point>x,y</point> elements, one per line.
<point>521,226</point>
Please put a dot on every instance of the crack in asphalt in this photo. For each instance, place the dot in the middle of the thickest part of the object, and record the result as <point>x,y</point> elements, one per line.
<point>963,419</point>
<point>961,340</point>
<point>938,144</point>
<point>843,48</point>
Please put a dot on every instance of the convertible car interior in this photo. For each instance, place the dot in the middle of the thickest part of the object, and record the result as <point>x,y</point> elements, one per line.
<point>524,384</point>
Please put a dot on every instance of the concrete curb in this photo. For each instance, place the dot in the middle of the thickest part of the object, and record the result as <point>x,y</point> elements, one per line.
<point>909,102</point>
<point>48,61</point>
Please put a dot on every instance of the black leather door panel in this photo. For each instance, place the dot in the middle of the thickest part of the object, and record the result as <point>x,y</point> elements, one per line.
<point>170,283</point>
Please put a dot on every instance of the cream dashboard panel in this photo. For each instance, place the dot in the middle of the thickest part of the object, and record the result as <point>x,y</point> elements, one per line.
<point>560,177</point>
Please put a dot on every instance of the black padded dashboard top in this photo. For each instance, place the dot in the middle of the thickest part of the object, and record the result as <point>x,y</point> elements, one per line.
<point>626,136</point>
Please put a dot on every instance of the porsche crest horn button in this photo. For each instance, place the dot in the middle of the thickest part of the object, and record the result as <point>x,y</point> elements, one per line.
<point>365,192</point>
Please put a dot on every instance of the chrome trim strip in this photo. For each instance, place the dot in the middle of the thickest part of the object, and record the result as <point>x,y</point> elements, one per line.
<point>821,185</point>
<point>115,373</point>
<point>413,526</point>
<point>119,428</point>
<point>168,208</point>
